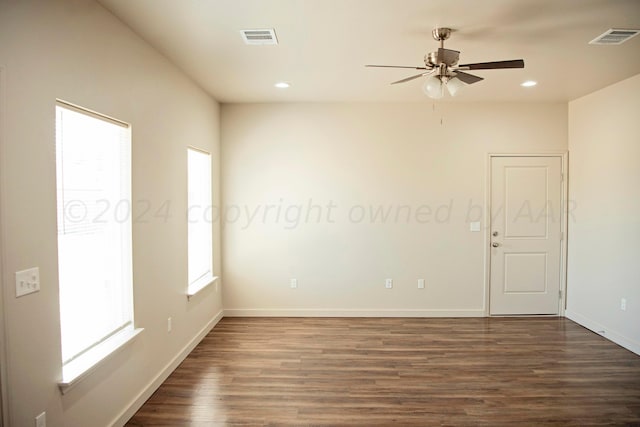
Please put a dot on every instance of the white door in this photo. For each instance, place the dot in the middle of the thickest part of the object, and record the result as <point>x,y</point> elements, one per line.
<point>526,225</point>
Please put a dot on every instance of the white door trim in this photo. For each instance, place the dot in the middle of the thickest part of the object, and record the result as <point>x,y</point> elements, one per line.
<point>566,208</point>
<point>4,412</point>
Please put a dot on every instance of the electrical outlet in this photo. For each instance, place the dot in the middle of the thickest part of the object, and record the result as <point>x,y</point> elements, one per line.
<point>27,281</point>
<point>294,283</point>
<point>623,304</point>
<point>420,283</point>
<point>169,324</point>
<point>388,283</point>
<point>41,420</point>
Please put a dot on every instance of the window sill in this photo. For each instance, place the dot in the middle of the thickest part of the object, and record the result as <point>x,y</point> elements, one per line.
<point>199,285</point>
<point>78,369</point>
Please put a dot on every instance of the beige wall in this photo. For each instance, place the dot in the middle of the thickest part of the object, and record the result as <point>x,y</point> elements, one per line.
<point>344,158</point>
<point>77,51</point>
<point>604,239</point>
<point>283,166</point>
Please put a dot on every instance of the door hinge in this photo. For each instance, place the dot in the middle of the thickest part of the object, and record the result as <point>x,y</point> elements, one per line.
<point>560,294</point>
<point>561,236</point>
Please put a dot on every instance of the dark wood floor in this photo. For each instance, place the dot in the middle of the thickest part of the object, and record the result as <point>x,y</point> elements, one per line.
<point>394,371</point>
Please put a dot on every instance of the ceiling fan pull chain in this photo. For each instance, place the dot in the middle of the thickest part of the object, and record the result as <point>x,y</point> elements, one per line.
<point>433,107</point>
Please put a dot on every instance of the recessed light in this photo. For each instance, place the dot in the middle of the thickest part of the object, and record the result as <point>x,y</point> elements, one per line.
<point>528,83</point>
<point>282,85</point>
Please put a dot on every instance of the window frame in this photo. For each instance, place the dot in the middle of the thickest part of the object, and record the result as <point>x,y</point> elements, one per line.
<point>208,277</point>
<point>80,364</point>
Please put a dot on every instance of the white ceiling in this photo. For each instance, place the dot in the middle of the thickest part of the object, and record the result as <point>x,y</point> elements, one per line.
<point>324,44</point>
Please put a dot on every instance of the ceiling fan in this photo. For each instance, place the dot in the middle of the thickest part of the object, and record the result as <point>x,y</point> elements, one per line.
<point>443,69</point>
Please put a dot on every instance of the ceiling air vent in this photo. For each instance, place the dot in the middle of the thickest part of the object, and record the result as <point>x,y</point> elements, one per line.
<point>614,36</point>
<point>259,37</point>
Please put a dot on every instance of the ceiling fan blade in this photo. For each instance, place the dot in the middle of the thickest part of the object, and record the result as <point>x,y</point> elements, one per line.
<point>397,66</point>
<point>409,78</point>
<point>448,56</point>
<point>515,63</point>
<point>468,78</point>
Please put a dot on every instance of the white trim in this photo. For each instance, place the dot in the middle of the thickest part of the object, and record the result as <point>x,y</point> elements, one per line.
<point>564,230</point>
<point>547,153</point>
<point>91,113</point>
<point>199,285</point>
<point>153,385</point>
<point>4,402</point>
<point>487,236</point>
<point>303,312</point>
<point>564,157</point>
<point>611,335</point>
<point>201,150</point>
<point>80,368</point>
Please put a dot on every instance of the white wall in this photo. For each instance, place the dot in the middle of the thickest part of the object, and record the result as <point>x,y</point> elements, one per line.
<point>77,51</point>
<point>344,157</point>
<point>604,238</point>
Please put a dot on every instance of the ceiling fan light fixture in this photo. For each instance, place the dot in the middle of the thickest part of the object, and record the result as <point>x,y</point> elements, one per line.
<point>282,85</point>
<point>433,87</point>
<point>454,85</point>
<point>528,83</point>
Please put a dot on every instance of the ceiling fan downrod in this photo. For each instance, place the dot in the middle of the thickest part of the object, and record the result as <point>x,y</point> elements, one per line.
<point>441,34</point>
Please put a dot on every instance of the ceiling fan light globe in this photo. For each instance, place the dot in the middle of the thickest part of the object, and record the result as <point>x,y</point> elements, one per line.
<point>454,85</point>
<point>433,87</point>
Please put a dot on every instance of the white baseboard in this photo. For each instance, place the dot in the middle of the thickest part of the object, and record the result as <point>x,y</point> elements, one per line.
<point>604,331</point>
<point>292,312</point>
<point>153,385</point>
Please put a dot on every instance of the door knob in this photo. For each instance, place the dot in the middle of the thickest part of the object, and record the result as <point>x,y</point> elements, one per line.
<point>495,244</point>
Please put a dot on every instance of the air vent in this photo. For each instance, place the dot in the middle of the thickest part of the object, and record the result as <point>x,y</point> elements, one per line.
<point>259,37</point>
<point>614,36</point>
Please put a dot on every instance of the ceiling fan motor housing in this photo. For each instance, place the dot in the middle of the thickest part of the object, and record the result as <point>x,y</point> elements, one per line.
<point>431,59</point>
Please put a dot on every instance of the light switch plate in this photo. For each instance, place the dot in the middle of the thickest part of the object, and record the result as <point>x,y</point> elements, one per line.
<point>41,420</point>
<point>474,226</point>
<point>420,283</point>
<point>27,281</point>
<point>388,283</point>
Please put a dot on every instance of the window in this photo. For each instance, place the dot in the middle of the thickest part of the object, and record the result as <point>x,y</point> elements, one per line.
<point>94,236</point>
<point>199,218</point>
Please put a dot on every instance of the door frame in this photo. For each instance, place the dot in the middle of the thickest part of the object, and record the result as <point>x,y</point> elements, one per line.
<point>564,156</point>
<point>4,410</point>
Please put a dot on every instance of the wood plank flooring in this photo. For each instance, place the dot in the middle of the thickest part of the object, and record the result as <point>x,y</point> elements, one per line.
<point>398,371</point>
